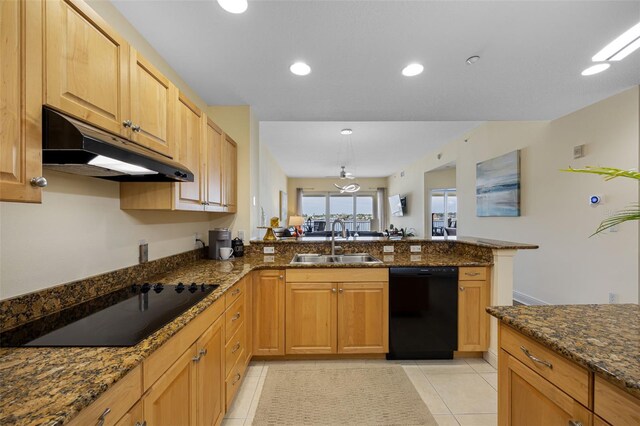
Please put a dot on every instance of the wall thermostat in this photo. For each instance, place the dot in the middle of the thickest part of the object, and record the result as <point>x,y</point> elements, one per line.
<point>594,200</point>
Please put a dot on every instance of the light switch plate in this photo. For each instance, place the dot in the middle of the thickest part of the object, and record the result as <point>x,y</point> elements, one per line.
<point>269,250</point>
<point>143,252</point>
<point>415,249</point>
<point>388,249</point>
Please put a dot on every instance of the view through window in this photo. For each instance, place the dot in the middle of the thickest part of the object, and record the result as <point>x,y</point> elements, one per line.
<point>321,210</point>
<point>444,209</point>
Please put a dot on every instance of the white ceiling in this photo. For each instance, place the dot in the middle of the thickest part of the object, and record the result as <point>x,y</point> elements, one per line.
<point>532,53</point>
<point>317,149</point>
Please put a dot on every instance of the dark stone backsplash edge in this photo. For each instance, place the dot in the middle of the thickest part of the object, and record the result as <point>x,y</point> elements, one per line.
<point>28,307</point>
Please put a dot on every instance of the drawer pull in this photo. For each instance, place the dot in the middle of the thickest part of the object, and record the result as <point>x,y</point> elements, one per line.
<point>196,358</point>
<point>235,317</point>
<point>202,352</point>
<point>235,348</point>
<point>235,292</point>
<point>236,378</point>
<point>574,423</point>
<point>534,359</point>
<point>461,288</point>
<point>103,416</point>
<point>144,423</point>
<point>472,274</point>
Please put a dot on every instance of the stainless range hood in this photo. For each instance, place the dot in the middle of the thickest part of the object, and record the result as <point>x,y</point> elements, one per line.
<point>71,146</point>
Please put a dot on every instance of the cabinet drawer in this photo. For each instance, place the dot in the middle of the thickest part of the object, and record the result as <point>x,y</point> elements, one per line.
<point>472,274</point>
<point>234,349</point>
<point>119,399</point>
<point>234,380</point>
<point>234,317</point>
<point>333,275</point>
<point>238,289</point>
<point>569,377</point>
<point>614,404</point>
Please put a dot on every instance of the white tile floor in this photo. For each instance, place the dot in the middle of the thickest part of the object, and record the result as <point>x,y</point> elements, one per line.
<point>459,392</point>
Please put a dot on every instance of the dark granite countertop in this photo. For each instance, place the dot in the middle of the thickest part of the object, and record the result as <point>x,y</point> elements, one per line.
<point>603,338</point>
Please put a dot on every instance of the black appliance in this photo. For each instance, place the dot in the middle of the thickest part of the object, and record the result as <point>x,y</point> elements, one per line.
<point>121,318</point>
<point>238,247</point>
<point>423,313</point>
<point>72,146</point>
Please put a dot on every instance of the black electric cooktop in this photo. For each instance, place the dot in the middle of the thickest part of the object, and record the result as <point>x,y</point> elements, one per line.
<point>122,318</point>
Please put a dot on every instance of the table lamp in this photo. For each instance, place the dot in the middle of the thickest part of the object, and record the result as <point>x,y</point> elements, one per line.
<point>297,222</point>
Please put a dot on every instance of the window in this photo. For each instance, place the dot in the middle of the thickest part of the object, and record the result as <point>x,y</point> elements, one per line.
<point>444,208</point>
<point>320,210</point>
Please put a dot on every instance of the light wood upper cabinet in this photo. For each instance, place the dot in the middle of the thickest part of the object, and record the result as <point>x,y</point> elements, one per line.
<point>86,66</point>
<point>153,102</point>
<point>268,312</point>
<point>311,315</point>
<point>190,195</point>
<point>229,173</point>
<point>473,320</point>
<point>210,375</point>
<point>363,318</point>
<point>20,100</point>
<point>213,164</point>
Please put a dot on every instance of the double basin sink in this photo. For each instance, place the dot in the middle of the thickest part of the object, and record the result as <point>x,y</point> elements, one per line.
<point>344,259</point>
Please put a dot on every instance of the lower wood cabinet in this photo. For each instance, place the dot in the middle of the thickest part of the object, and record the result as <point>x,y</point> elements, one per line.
<point>363,318</point>
<point>268,312</point>
<point>311,318</point>
<point>474,293</point>
<point>134,417</point>
<point>210,376</point>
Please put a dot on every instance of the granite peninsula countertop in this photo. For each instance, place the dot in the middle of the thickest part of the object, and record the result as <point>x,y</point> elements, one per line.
<point>603,338</point>
<point>50,386</point>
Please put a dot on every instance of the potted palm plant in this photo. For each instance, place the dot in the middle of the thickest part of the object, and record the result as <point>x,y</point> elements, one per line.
<point>631,212</point>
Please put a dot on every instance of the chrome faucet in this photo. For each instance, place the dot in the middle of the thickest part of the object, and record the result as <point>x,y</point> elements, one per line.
<point>333,234</point>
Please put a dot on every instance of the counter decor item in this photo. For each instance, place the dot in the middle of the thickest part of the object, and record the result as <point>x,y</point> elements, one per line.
<point>296,222</point>
<point>632,212</point>
<point>238,247</point>
<point>270,235</point>
<point>498,186</point>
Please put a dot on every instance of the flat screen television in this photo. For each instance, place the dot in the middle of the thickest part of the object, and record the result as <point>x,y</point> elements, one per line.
<point>398,205</point>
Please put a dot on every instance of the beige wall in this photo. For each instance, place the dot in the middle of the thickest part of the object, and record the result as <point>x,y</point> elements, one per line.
<point>569,267</point>
<point>272,181</point>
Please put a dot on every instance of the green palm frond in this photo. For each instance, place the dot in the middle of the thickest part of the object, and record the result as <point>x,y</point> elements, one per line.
<point>630,213</point>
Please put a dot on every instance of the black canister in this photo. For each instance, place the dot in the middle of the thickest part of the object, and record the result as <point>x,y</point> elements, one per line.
<point>238,247</point>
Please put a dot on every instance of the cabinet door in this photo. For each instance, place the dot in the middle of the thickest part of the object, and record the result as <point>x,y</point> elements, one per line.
<point>20,100</point>
<point>133,418</point>
<point>212,160</point>
<point>153,102</point>
<point>473,321</point>
<point>526,399</point>
<point>268,312</point>
<point>248,321</point>
<point>363,318</point>
<point>211,375</point>
<point>311,314</point>
<point>230,172</point>
<point>86,65</point>
<point>172,399</point>
<point>189,194</point>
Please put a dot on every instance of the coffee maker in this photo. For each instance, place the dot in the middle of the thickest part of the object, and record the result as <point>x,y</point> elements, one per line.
<point>218,238</point>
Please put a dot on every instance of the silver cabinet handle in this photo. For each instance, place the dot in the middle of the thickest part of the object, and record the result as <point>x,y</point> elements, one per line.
<point>281,277</point>
<point>461,288</point>
<point>235,348</point>
<point>39,182</point>
<point>103,416</point>
<point>534,359</point>
<point>333,290</point>
<point>144,423</point>
<point>235,292</point>
<point>341,290</point>
<point>574,423</point>
<point>127,123</point>
<point>472,274</point>
<point>196,358</point>
<point>202,352</point>
<point>236,378</point>
<point>235,317</point>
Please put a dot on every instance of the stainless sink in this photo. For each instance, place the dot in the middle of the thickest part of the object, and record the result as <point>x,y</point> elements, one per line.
<point>315,259</point>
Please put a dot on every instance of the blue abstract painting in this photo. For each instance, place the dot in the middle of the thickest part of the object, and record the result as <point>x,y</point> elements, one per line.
<point>498,186</point>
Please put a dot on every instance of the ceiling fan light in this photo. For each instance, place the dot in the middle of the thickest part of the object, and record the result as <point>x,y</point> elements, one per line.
<point>234,6</point>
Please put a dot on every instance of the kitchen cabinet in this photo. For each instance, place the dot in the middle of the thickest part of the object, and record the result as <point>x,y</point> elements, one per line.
<point>153,101</point>
<point>189,195</point>
<point>210,376</point>
<point>235,330</point>
<point>229,174</point>
<point>311,318</point>
<point>212,166</point>
<point>134,416</point>
<point>86,71</point>
<point>615,405</point>
<point>268,312</point>
<point>337,311</point>
<point>21,101</point>
<point>473,321</point>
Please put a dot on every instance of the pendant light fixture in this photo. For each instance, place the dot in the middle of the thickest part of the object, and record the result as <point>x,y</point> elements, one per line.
<point>347,160</point>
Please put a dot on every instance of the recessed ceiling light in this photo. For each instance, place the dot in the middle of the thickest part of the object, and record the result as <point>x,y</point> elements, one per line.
<point>300,68</point>
<point>472,60</point>
<point>346,131</point>
<point>621,46</point>
<point>595,69</point>
<point>412,70</point>
<point>233,6</point>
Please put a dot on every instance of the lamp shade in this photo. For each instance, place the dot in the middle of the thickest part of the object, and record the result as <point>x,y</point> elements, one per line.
<point>296,220</point>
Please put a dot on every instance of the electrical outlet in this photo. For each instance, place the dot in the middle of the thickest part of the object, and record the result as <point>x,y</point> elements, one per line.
<point>388,258</point>
<point>241,234</point>
<point>269,259</point>
<point>415,249</point>
<point>416,258</point>
<point>143,252</point>
<point>388,249</point>
<point>269,250</point>
<point>196,237</point>
<point>613,298</point>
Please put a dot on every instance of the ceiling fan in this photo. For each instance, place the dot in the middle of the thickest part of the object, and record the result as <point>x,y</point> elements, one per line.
<point>349,187</point>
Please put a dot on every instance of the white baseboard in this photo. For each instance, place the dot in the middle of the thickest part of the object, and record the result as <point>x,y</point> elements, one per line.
<point>525,299</point>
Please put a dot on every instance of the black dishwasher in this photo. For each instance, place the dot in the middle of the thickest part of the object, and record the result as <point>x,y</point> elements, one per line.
<point>423,313</point>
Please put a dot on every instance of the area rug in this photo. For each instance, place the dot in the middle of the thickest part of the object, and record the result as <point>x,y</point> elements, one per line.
<point>340,396</point>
